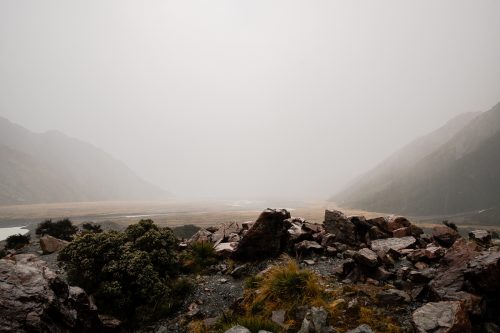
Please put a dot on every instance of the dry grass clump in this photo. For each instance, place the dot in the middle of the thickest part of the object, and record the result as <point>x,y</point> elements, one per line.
<point>288,286</point>
<point>283,287</point>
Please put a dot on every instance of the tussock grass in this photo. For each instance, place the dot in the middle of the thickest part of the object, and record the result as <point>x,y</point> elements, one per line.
<point>199,256</point>
<point>288,286</point>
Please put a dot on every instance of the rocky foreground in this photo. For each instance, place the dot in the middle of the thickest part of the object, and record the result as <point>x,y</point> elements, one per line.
<point>380,275</point>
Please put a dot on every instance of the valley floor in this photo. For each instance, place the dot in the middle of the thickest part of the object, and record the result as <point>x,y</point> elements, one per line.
<point>176,212</point>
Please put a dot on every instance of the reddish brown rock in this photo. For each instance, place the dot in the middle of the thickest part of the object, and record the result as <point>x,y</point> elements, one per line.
<point>401,232</point>
<point>430,253</point>
<point>444,235</point>
<point>50,244</point>
<point>441,317</point>
<point>449,281</point>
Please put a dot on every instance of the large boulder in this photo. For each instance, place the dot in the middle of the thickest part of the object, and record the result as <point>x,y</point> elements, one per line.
<point>265,238</point>
<point>35,299</point>
<point>441,317</point>
<point>336,223</point>
<point>50,244</point>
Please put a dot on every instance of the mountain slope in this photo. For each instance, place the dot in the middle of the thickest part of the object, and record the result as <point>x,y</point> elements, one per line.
<point>452,170</point>
<point>52,167</point>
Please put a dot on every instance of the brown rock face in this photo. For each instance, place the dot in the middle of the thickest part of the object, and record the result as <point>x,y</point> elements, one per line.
<point>50,244</point>
<point>265,237</point>
<point>484,272</point>
<point>449,281</point>
<point>441,317</point>
<point>35,299</point>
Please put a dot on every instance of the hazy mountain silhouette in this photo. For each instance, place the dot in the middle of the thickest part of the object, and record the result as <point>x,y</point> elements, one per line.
<point>52,167</point>
<point>452,170</point>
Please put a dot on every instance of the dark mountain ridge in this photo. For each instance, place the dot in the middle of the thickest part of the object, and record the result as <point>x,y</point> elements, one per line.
<point>453,170</point>
<point>52,167</point>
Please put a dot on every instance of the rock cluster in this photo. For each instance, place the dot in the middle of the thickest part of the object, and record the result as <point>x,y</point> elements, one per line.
<point>35,299</point>
<point>456,281</point>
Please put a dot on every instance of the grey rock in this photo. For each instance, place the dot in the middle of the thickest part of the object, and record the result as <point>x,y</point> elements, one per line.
<point>35,299</point>
<point>393,296</point>
<point>362,329</point>
<point>278,317</point>
<point>366,257</point>
<point>315,321</point>
<point>397,244</point>
<point>240,271</point>
<point>308,246</point>
<point>225,249</point>
<point>238,329</point>
<point>201,235</point>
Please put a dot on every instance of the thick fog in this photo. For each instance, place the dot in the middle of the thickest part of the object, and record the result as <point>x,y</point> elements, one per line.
<point>247,99</point>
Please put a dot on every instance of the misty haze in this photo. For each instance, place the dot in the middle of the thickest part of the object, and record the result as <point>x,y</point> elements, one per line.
<point>250,166</point>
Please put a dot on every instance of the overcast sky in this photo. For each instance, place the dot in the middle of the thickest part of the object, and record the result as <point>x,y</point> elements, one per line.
<point>247,99</point>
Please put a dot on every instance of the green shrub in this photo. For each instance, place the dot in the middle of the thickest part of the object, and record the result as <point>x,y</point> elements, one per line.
<point>91,227</point>
<point>62,229</point>
<point>129,273</point>
<point>2,253</point>
<point>17,241</point>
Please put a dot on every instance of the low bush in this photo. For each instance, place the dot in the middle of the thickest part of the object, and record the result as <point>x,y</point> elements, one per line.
<point>17,241</point>
<point>62,229</point>
<point>131,273</point>
<point>91,227</point>
<point>450,225</point>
